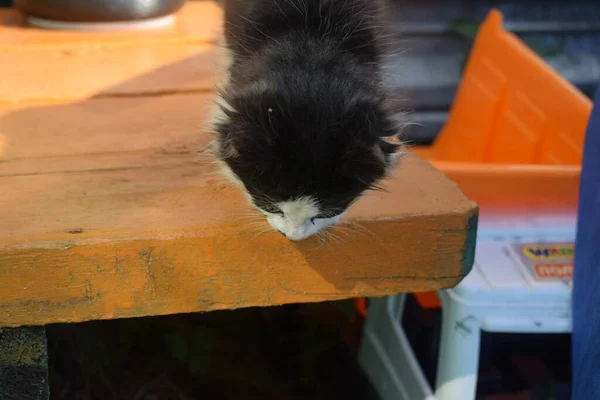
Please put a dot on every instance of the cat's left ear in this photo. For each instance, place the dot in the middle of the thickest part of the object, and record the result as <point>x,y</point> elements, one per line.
<point>387,148</point>
<point>388,151</point>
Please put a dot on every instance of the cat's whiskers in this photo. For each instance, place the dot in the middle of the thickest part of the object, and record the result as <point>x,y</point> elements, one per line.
<point>337,238</point>
<point>255,228</point>
<point>356,228</point>
<point>267,230</point>
<point>321,237</point>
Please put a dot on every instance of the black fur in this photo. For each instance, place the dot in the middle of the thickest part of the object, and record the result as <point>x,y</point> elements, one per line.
<point>309,110</point>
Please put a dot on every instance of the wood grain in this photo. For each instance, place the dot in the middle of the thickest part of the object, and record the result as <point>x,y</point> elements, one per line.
<point>108,210</point>
<point>198,22</point>
<point>42,65</point>
<point>69,75</point>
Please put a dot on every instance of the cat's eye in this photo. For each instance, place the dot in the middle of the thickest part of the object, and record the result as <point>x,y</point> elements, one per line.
<point>313,220</point>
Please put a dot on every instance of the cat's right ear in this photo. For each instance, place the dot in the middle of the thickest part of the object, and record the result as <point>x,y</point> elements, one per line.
<point>225,109</point>
<point>224,147</point>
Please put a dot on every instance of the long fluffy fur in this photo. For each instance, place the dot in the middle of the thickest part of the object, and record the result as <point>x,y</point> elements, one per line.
<point>303,111</point>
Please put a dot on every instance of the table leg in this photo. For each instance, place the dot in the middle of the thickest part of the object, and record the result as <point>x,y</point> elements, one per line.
<point>458,360</point>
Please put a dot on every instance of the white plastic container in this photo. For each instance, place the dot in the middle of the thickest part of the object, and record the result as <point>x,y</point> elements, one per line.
<point>520,283</point>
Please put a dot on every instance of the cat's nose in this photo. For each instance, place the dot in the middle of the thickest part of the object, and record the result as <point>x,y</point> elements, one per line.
<point>297,231</point>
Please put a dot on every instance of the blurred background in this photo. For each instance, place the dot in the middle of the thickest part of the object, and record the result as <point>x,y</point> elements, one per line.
<point>435,38</point>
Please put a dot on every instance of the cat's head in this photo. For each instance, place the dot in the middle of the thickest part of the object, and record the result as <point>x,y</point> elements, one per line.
<point>303,155</point>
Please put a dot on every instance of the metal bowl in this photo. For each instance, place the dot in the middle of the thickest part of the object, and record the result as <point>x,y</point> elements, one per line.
<point>96,11</point>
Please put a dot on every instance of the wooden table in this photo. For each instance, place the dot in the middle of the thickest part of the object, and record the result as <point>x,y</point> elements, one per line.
<point>107,210</point>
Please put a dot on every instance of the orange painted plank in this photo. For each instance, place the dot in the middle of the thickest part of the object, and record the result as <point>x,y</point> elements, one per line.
<point>72,75</point>
<point>198,22</point>
<point>108,212</point>
<point>43,65</point>
<point>52,133</point>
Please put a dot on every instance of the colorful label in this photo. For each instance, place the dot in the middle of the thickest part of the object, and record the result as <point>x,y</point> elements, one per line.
<point>553,271</point>
<point>538,252</point>
<point>547,261</point>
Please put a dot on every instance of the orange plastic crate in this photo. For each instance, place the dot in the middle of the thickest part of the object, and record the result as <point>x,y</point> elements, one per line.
<point>514,138</point>
<point>515,134</point>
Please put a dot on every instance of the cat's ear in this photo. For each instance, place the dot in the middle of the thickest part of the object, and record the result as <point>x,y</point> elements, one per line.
<point>388,151</point>
<point>368,164</point>
<point>225,147</point>
<point>387,148</point>
<point>363,162</point>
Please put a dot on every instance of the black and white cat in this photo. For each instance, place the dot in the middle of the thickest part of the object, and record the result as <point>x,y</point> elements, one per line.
<point>303,118</point>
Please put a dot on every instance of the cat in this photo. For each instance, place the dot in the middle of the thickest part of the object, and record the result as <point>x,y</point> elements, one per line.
<point>303,120</point>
